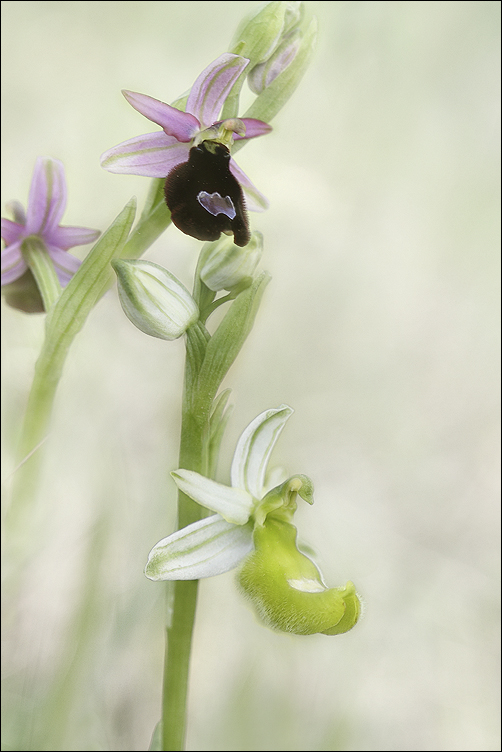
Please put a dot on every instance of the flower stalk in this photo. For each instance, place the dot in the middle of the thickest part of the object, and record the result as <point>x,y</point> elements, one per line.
<point>207,362</point>
<point>64,320</point>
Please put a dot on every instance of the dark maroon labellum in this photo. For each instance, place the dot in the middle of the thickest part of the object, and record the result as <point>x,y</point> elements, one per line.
<point>204,198</point>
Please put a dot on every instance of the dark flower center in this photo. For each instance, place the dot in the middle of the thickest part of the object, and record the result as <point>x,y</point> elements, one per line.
<point>204,198</point>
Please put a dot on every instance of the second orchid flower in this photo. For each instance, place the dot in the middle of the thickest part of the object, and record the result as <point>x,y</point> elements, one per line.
<point>254,527</point>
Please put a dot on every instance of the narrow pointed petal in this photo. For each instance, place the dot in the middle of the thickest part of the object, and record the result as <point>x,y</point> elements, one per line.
<point>47,199</point>
<point>181,125</point>
<point>153,155</point>
<point>253,128</point>
<point>13,264</point>
<point>11,231</point>
<point>64,263</point>
<point>204,549</point>
<point>68,237</point>
<point>211,88</point>
<point>253,449</point>
<point>233,504</point>
<point>255,200</point>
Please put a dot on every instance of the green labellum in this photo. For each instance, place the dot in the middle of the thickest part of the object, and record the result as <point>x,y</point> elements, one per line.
<point>286,587</point>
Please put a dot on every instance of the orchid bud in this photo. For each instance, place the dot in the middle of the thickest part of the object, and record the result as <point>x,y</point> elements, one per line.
<point>228,265</point>
<point>154,300</point>
<point>260,32</point>
<point>263,74</point>
<point>287,589</point>
<point>279,88</point>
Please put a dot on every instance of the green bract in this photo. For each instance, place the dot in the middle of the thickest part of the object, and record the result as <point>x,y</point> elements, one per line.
<point>154,300</point>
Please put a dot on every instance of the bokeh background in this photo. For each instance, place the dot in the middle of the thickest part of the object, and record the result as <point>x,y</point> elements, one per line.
<point>380,328</point>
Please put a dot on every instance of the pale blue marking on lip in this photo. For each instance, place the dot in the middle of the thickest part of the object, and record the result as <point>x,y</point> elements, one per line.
<point>216,204</point>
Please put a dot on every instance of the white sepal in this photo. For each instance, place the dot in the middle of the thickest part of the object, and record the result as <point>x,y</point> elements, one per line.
<point>253,449</point>
<point>233,504</point>
<point>204,549</point>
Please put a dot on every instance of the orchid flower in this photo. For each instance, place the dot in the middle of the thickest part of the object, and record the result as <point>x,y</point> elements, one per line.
<point>253,525</point>
<point>40,222</point>
<point>192,151</point>
<point>217,544</point>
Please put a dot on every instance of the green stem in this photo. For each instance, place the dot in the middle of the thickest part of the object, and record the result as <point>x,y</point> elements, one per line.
<point>207,362</point>
<point>184,592</point>
<point>93,279</point>
<point>177,663</point>
<point>155,218</point>
<point>64,320</point>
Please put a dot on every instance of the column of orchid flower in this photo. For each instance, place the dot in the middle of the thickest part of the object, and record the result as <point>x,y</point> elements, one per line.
<point>199,187</point>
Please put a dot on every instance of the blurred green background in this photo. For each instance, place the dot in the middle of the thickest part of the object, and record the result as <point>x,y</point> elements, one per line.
<point>380,328</point>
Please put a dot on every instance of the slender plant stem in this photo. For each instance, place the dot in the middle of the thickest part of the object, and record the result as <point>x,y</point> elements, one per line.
<point>207,362</point>
<point>177,663</point>
<point>181,610</point>
<point>49,366</point>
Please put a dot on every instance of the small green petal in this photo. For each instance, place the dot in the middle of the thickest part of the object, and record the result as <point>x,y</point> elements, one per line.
<point>280,502</point>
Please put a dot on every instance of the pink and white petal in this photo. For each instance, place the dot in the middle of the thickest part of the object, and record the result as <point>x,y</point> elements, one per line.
<point>11,231</point>
<point>47,199</point>
<point>153,155</point>
<point>68,237</point>
<point>13,264</point>
<point>254,128</point>
<point>212,87</point>
<point>181,125</point>
<point>255,200</point>
<point>64,263</point>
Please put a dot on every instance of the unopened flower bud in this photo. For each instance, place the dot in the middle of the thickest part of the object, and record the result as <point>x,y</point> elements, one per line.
<point>228,266</point>
<point>260,32</point>
<point>262,75</point>
<point>154,300</point>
